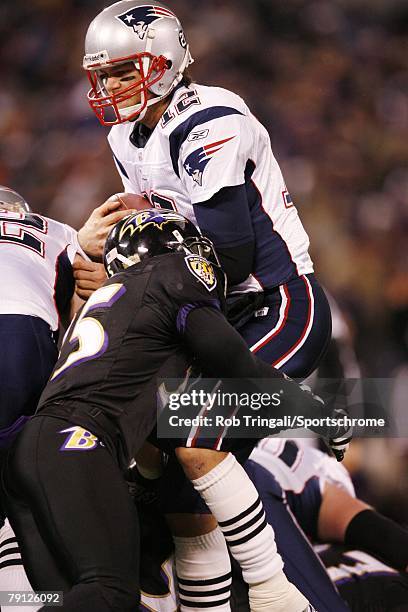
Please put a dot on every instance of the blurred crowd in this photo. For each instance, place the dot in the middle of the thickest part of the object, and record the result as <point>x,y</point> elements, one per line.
<point>328,78</point>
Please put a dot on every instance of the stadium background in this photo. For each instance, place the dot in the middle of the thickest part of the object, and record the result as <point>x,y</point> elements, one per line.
<point>328,78</point>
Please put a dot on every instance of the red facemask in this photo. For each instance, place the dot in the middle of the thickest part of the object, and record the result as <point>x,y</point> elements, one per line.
<point>101,102</point>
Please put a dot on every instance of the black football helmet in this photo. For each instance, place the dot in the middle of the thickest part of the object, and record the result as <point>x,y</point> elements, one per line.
<point>151,232</point>
<point>12,201</point>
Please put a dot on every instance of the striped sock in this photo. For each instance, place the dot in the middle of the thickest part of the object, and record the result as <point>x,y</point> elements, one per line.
<point>235,503</point>
<point>12,573</point>
<point>9,551</point>
<point>203,572</point>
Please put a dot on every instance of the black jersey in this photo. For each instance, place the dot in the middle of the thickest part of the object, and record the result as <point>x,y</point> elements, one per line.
<point>364,582</point>
<point>144,325</point>
<point>128,334</point>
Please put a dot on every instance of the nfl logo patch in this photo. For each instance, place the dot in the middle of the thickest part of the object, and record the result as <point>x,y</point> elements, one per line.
<point>202,270</point>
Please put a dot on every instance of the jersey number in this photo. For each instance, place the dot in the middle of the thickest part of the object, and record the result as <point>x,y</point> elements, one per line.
<point>88,333</point>
<point>186,100</point>
<point>14,230</point>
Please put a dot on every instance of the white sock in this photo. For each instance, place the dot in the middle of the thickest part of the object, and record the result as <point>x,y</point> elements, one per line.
<point>204,572</point>
<point>235,503</point>
<point>12,573</point>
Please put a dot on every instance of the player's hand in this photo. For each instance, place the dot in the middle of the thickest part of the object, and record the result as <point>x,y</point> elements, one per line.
<point>88,275</point>
<point>339,443</point>
<point>93,234</point>
<point>337,437</point>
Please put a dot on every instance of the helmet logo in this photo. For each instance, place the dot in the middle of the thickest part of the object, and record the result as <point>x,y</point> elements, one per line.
<point>140,17</point>
<point>197,160</point>
<point>140,221</point>
<point>202,270</point>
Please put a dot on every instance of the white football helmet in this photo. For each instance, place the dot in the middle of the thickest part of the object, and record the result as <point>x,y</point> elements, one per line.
<point>147,34</point>
<point>12,201</point>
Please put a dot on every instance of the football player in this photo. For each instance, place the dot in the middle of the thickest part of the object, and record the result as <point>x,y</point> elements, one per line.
<point>93,419</point>
<point>37,292</point>
<point>320,494</point>
<point>199,150</point>
<point>38,255</point>
<point>307,496</point>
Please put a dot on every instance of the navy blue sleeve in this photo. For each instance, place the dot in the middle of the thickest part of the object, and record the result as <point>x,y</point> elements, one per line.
<point>225,218</point>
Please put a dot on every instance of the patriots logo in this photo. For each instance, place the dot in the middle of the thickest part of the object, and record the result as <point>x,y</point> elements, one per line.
<point>140,221</point>
<point>197,160</point>
<point>140,17</point>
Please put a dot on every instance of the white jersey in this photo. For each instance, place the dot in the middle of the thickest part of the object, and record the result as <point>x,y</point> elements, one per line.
<point>207,140</point>
<point>294,465</point>
<point>35,265</point>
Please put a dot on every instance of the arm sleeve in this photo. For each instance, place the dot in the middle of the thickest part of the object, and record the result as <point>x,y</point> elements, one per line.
<point>380,536</point>
<point>64,283</point>
<point>237,262</point>
<point>225,218</point>
<point>221,351</point>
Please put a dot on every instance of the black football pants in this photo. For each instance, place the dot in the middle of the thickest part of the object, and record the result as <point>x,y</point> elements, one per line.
<point>75,521</point>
